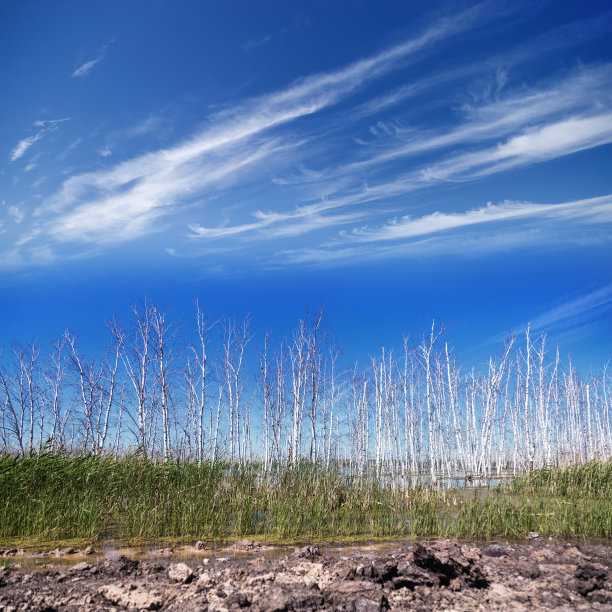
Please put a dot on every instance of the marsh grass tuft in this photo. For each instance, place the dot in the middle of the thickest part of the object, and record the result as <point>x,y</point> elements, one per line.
<point>592,480</point>
<point>56,496</point>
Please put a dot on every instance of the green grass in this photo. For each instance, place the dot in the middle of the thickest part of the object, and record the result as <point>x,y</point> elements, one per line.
<point>592,480</point>
<point>55,497</point>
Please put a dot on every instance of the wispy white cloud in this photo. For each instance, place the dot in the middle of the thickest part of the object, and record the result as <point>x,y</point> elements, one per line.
<point>508,225</point>
<point>258,42</point>
<point>84,69</point>
<point>17,213</point>
<point>532,145</point>
<point>572,318</point>
<point>120,203</point>
<point>150,124</point>
<point>466,244</point>
<point>33,163</point>
<point>285,225</point>
<point>277,167</point>
<point>73,145</point>
<point>41,255</point>
<point>129,213</point>
<point>39,181</point>
<point>576,310</point>
<point>46,123</point>
<point>24,144</point>
<point>594,210</point>
<point>532,126</point>
<point>582,93</point>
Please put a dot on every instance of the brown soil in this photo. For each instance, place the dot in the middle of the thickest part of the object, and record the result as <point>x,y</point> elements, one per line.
<point>430,575</point>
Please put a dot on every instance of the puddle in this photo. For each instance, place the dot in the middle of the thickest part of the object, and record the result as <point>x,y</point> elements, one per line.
<point>215,554</point>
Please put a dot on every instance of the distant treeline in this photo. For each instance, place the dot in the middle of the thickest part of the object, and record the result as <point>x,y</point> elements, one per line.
<point>187,393</point>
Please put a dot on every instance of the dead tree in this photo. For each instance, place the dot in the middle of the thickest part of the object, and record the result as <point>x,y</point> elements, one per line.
<point>134,349</point>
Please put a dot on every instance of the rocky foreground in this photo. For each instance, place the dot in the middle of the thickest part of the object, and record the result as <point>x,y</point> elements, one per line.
<point>430,575</point>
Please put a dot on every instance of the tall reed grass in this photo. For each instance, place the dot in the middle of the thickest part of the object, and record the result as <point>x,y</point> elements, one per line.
<point>592,479</point>
<point>56,496</point>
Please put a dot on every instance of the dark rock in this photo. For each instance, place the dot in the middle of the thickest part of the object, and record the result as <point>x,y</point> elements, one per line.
<point>122,565</point>
<point>589,578</point>
<point>447,560</point>
<point>386,569</point>
<point>346,569</point>
<point>494,550</point>
<point>528,569</point>
<point>356,569</point>
<point>410,576</point>
<point>309,552</point>
<point>200,545</point>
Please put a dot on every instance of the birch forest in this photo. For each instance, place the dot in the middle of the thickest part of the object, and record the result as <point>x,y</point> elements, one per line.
<point>210,391</point>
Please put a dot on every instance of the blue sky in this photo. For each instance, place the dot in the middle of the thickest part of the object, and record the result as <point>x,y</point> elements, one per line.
<point>395,161</point>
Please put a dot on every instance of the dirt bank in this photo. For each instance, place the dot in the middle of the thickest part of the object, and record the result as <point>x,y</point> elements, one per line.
<point>430,575</point>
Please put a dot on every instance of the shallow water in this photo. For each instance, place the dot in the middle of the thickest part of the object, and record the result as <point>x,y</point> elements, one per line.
<point>214,555</point>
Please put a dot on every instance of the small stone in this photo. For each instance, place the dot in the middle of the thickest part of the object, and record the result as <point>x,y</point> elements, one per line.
<point>90,550</point>
<point>533,535</point>
<point>179,572</point>
<point>494,550</point>
<point>200,545</point>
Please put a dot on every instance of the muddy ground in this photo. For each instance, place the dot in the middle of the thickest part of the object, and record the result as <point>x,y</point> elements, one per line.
<point>428,575</point>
